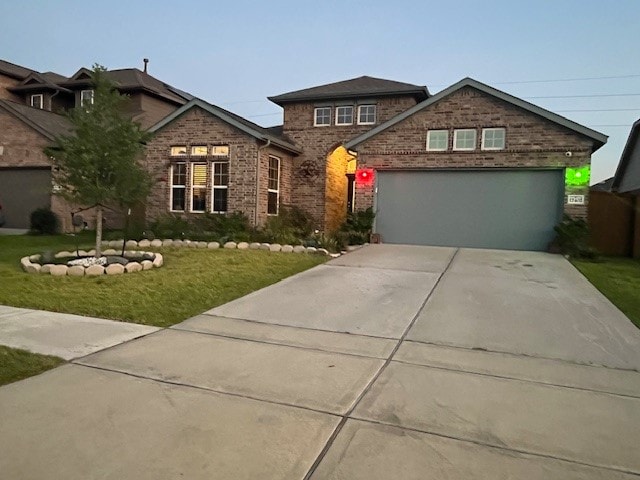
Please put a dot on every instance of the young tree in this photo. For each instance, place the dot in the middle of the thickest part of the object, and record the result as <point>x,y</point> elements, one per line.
<point>98,162</point>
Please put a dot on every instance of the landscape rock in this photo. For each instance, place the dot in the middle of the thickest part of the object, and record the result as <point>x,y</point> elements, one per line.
<point>158,261</point>
<point>287,249</point>
<point>312,249</point>
<point>76,271</point>
<point>114,269</point>
<point>58,270</point>
<point>213,245</point>
<point>132,267</point>
<point>254,246</point>
<point>202,244</point>
<point>191,244</point>
<point>230,245</point>
<point>323,251</point>
<point>299,249</point>
<point>275,247</point>
<point>110,251</point>
<point>156,243</point>
<point>167,242</point>
<point>116,243</point>
<point>147,265</point>
<point>91,253</point>
<point>34,258</point>
<point>46,268</point>
<point>64,254</point>
<point>81,253</point>
<point>144,243</point>
<point>94,271</point>
<point>131,244</point>
<point>177,243</point>
<point>243,246</point>
<point>265,246</point>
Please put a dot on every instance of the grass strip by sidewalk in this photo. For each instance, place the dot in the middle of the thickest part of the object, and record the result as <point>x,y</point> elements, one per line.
<point>618,279</point>
<point>190,282</point>
<point>16,364</point>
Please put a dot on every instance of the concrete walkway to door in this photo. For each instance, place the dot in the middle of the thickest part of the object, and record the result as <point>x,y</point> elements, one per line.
<point>391,362</point>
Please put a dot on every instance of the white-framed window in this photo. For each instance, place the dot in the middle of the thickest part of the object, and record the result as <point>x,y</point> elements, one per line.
<point>437,140</point>
<point>493,138</point>
<point>199,150</point>
<point>86,97</point>
<point>220,150</point>
<point>322,117</point>
<point>344,115</point>
<point>220,184</point>
<point>366,114</point>
<point>37,101</point>
<point>178,150</point>
<point>273,190</point>
<point>198,187</point>
<point>464,139</point>
<point>178,175</point>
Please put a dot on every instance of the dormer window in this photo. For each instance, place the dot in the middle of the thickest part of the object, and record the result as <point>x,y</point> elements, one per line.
<point>322,117</point>
<point>37,101</point>
<point>344,115</point>
<point>86,97</point>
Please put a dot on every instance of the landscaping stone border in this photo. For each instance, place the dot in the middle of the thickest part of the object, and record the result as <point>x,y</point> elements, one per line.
<point>272,247</point>
<point>29,264</point>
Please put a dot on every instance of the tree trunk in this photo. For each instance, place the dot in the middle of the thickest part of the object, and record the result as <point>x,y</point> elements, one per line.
<point>98,231</point>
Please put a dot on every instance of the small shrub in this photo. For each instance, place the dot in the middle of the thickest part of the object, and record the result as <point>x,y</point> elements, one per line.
<point>572,238</point>
<point>357,228</point>
<point>290,226</point>
<point>44,221</point>
<point>170,226</point>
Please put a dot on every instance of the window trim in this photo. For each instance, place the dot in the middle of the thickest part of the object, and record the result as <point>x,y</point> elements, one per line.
<point>475,139</point>
<point>215,187</point>
<point>191,186</point>
<point>193,147</point>
<point>172,186</point>
<point>82,97</point>
<point>224,155</point>
<point>446,147</point>
<point>315,117</point>
<point>171,154</point>
<point>35,95</point>
<point>375,114</point>
<point>271,190</point>
<point>338,107</point>
<point>504,138</point>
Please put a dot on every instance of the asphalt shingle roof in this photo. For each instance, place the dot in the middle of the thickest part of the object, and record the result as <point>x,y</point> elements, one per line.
<point>355,87</point>
<point>47,123</point>
<point>13,70</point>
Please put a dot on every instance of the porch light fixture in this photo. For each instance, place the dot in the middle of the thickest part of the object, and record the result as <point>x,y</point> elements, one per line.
<point>365,176</point>
<point>578,176</point>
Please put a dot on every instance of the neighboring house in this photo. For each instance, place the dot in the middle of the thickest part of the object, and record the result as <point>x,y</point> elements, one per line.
<point>30,106</point>
<point>626,185</point>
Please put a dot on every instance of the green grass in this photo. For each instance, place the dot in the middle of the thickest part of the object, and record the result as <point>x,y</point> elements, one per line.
<point>619,280</point>
<point>17,364</point>
<point>190,282</point>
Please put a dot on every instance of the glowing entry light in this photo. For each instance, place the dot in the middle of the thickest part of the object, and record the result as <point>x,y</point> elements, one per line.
<point>365,176</point>
<point>578,176</point>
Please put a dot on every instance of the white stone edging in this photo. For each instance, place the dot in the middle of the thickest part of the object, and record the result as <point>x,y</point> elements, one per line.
<point>29,264</point>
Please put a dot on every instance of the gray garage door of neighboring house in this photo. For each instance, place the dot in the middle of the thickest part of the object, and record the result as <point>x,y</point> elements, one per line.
<point>503,209</point>
<point>22,190</point>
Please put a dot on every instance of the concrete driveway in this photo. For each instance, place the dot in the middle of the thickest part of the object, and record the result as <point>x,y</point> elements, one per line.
<point>391,362</point>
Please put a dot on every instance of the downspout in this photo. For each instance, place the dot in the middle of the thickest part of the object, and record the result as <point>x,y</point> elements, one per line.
<point>266,145</point>
<point>51,99</point>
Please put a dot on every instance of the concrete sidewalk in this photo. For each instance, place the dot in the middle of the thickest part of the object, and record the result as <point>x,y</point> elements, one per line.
<point>391,362</point>
<point>61,334</point>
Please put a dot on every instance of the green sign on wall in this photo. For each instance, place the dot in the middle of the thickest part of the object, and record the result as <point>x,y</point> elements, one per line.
<point>578,176</point>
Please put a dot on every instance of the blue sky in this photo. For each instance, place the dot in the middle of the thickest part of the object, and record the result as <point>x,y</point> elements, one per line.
<point>237,53</point>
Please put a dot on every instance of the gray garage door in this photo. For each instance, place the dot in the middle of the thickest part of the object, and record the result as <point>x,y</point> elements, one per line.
<point>505,209</point>
<point>22,190</point>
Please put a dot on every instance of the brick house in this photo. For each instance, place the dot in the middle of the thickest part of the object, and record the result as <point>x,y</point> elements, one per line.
<point>469,166</point>
<point>31,104</point>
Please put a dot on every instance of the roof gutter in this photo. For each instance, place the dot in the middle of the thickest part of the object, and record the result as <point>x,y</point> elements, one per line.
<point>260,149</point>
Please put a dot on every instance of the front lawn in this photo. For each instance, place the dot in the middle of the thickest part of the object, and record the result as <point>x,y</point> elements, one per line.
<point>190,282</point>
<point>17,364</point>
<point>619,280</point>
